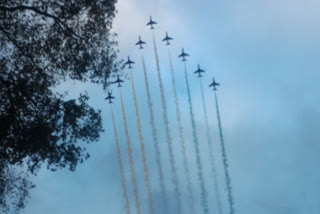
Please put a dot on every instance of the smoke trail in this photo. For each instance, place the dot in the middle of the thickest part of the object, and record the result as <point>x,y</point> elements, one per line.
<point>123,179</point>
<point>182,142</point>
<point>166,122</point>
<point>204,202</point>
<point>213,167</point>
<point>144,158</point>
<point>134,182</point>
<point>224,157</point>
<point>155,138</point>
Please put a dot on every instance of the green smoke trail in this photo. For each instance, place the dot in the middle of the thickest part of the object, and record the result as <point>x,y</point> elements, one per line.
<point>168,137</point>
<point>204,202</point>
<point>212,160</point>
<point>155,137</point>
<point>224,158</point>
<point>132,169</point>
<point>144,158</point>
<point>182,141</point>
<point>123,179</point>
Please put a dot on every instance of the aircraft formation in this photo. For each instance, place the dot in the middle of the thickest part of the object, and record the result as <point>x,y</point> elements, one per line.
<point>167,39</point>
<point>204,198</point>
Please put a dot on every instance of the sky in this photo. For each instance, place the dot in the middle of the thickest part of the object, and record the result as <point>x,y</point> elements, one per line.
<point>265,54</point>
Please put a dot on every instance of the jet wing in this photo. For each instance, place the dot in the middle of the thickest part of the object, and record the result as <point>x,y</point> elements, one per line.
<point>109,98</point>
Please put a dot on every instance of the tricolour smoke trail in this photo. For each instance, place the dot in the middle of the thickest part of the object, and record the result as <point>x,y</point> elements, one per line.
<point>182,142</point>
<point>224,158</point>
<point>213,167</point>
<point>168,137</point>
<point>123,179</point>
<point>155,138</point>
<point>144,158</point>
<point>204,202</point>
<point>134,181</point>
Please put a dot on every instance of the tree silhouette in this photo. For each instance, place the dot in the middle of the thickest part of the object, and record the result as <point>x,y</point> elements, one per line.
<point>43,43</point>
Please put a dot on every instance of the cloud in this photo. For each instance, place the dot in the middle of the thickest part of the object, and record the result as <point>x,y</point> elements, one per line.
<point>264,54</point>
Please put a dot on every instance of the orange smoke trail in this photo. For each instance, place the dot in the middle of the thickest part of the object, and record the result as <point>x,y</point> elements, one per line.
<point>182,142</point>
<point>144,158</point>
<point>123,179</point>
<point>134,181</point>
<point>155,138</point>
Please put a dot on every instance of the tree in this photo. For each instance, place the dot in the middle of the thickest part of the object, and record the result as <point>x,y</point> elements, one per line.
<point>43,43</point>
<point>14,188</point>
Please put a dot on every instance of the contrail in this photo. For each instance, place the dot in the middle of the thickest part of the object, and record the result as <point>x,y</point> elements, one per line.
<point>166,122</point>
<point>134,181</point>
<point>204,202</point>
<point>213,167</point>
<point>155,137</point>
<point>123,179</point>
<point>224,158</point>
<point>144,158</point>
<point>182,142</point>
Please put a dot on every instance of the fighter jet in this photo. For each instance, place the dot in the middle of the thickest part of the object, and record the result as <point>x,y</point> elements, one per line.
<point>167,39</point>
<point>129,62</point>
<point>140,42</point>
<point>183,55</point>
<point>119,81</point>
<point>199,71</point>
<point>214,84</point>
<point>151,23</point>
<point>109,97</point>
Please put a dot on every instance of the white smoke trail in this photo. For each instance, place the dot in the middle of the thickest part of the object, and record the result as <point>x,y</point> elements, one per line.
<point>123,179</point>
<point>132,169</point>
<point>142,149</point>
<point>204,202</point>
<point>212,159</point>
<point>224,158</point>
<point>168,137</point>
<point>155,138</point>
<point>182,141</point>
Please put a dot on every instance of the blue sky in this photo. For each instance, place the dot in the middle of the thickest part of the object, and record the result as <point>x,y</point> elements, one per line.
<point>265,54</point>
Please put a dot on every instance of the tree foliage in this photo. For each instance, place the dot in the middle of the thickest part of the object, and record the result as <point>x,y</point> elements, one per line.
<point>14,188</point>
<point>43,43</point>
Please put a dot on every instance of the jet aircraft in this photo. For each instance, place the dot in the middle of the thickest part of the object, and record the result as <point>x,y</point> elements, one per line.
<point>214,84</point>
<point>119,81</point>
<point>140,42</point>
<point>151,23</point>
<point>167,39</point>
<point>109,97</point>
<point>183,55</point>
<point>199,71</point>
<point>129,62</point>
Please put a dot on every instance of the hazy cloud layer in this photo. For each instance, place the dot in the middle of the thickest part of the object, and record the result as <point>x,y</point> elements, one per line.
<point>266,56</point>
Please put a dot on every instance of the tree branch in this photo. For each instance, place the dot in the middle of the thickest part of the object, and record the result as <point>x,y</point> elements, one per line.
<point>36,10</point>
